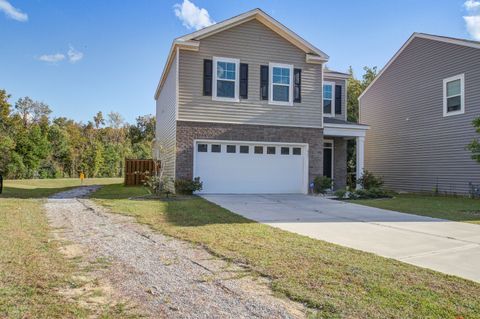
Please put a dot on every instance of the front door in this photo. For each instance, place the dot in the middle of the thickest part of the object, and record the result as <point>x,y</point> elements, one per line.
<point>328,158</point>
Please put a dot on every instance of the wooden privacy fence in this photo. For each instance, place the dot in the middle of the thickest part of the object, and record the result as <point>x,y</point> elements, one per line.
<point>136,170</point>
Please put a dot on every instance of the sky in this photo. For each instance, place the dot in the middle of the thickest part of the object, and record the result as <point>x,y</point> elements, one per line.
<point>85,56</point>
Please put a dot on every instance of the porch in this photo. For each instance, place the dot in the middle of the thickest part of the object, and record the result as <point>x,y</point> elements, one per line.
<point>336,134</point>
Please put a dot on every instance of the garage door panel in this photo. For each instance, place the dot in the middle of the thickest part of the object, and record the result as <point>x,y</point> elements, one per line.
<point>251,173</point>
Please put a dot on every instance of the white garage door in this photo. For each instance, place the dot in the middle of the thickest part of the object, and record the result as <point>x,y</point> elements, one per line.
<point>248,168</point>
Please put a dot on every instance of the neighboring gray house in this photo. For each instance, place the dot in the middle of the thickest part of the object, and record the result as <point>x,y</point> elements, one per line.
<point>420,108</point>
<point>248,106</point>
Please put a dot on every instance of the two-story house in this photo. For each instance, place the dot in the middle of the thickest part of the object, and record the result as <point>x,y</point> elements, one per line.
<point>248,106</point>
<point>421,107</point>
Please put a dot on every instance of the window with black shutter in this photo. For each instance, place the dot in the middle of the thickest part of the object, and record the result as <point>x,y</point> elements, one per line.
<point>338,99</point>
<point>297,88</point>
<point>243,80</point>
<point>207,77</point>
<point>264,82</point>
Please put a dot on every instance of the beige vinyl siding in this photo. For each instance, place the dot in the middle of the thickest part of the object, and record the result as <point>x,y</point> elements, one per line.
<point>344,102</point>
<point>166,124</point>
<point>256,45</point>
<point>410,143</point>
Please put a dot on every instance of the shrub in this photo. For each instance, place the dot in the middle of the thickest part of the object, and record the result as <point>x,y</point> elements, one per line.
<point>321,184</point>
<point>187,187</point>
<point>156,185</point>
<point>370,193</point>
<point>368,180</point>
<point>340,194</point>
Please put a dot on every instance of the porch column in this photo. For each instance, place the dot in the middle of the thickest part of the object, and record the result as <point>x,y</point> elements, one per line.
<point>360,158</point>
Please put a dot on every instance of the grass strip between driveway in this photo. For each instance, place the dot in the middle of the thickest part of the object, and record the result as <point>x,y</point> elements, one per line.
<point>339,282</point>
<point>460,209</point>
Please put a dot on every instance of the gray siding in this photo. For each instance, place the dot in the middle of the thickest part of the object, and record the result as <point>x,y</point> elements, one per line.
<point>255,44</point>
<point>344,102</point>
<point>166,125</point>
<point>410,143</point>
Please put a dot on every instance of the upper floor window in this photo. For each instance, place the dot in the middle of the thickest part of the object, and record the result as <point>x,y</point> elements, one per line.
<point>225,79</point>
<point>281,88</point>
<point>454,95</point>
<point>328,99</point>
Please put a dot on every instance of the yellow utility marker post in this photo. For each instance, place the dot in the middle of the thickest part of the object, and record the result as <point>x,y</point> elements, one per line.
<point>82,177</point>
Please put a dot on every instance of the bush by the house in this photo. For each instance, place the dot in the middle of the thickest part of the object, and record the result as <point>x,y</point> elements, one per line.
<point>340,193</point>
<point>321,184</point>
<point>369,181</point>
<point>187,187</point>
<point>370,193</point>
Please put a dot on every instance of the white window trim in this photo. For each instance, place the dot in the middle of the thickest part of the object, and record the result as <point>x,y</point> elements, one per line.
<point>272,65</point>
<point>237,79</point>
<point>460,77</point>
<point>332,114</point>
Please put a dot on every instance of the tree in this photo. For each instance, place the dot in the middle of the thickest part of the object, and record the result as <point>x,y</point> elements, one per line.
<point>32,111</point>
<point>356,88</point>
<point>474,146</point>
<point>98,119</point>
<point>115,119</point>
<point>34,145</point>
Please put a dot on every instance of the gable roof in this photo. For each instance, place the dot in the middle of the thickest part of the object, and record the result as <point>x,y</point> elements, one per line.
<point>457,41</point>
<point>191,40</point>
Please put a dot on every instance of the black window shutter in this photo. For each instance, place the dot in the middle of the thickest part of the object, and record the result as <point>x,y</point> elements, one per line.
<point>338,99</point>
<point>264,82</point>
<point>243,81</point>
<point>297,88</point>
<point>207,77</point>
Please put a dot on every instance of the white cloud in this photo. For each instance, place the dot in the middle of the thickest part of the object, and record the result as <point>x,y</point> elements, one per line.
<point>472,5</point>
<point>192,16</point>
<point>473,26</point>
<point>74,55</point>
<point>12,12</point>
<point>472,21</point>
<point>52,58</point>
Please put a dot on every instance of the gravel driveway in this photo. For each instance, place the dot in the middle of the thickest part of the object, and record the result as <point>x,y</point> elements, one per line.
<point>162,276</point>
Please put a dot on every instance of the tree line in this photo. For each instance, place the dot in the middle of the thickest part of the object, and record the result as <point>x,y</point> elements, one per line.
<point>35,145</point>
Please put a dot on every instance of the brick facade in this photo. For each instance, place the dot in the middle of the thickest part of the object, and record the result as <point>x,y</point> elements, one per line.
<point>340,163</point>
<point>187,132</point>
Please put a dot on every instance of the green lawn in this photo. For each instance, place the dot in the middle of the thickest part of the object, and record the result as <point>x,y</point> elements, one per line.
<point>460,209</point>
<point>339,282</point>
<point>38,188</point>
<point>31,268</point>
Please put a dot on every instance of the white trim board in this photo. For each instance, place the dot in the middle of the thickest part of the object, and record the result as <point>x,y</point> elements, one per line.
<point>467,43</point>
<point>460,77</point>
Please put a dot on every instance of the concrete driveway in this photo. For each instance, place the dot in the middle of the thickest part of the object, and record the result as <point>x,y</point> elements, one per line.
<point>445,246</point>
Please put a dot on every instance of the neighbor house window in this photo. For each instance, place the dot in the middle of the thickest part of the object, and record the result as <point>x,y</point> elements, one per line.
<point>281,88</point>
<point>270,149</point>
<point>225,79</point>
<point>202,147</point>
<point>328,101</point>
<point>216,148</point>
<point>244,149</point>
<point>297,151</point>
<point>454,95</point>
<point>258,150</point>
<point>231,149</point>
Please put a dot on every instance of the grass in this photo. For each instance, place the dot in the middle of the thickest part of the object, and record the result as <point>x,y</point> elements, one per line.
<point>339,282</point>
<point>32,271</point>
<point>460,209</point>
<point>38,188</point>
